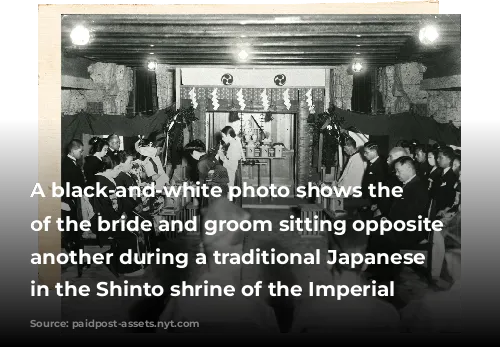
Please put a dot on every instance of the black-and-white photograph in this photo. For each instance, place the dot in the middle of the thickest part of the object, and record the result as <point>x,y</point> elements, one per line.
<point>304,155</point>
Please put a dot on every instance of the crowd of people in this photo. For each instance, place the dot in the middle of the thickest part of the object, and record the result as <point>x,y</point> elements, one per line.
<point>429,176</point>
<point>109,167</point>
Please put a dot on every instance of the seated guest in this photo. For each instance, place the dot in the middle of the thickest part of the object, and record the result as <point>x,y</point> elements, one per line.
<point>391,181</point>
<point>411,205</point>
<point>375,173</point>
<point>352,175</point>
<point>217,314</point>
<point>93,162</point>
<point>423,166</point>
<point>437,312</point>
<point>354,314</point>
<point>406,145</point>
<point>110,209</point>
<point>208,164</point>
<point>445,192</point>
<point>195,150</point>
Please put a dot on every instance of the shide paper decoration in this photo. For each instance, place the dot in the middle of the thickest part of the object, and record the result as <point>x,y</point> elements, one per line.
<point>286,98</point>
<point>265,102</point>
<point>310,101</point>
<point>215,102</point>
<point>241,99</point>
<point>192,94</point>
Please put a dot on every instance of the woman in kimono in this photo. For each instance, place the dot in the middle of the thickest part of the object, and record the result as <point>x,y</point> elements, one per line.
<point>111,209</point>
<point>231,158</point>
<point>93,162</point>
<point>434,176</point>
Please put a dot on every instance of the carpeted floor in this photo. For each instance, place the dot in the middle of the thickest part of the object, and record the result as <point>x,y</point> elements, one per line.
<point>126,308</point>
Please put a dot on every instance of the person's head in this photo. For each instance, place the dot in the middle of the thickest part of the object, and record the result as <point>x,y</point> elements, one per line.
<point>195,149</point>
<point>420,153</point>
<point>111,165</point>
<point>98,147</point>
<point>395,153</point>
<point>228,134</point>
<point>114,142</point>
<point>349,146</point>
<point>370,151</point>
<point>457,165</point>
<point>445,157</point>
<point>432,157</point>
<point>147,149</point>
<point>126,159</point>
<point>75,149</point>
<point>405,168</point>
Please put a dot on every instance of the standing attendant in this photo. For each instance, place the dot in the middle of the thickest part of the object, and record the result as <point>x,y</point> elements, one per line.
<point>231,158</point>
<point>375,173</point>
<point>71,174</point>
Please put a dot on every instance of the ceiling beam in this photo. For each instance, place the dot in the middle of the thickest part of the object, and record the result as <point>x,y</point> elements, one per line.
<point>262,30</point>
<point>199,51</point>
<point>259,19</point>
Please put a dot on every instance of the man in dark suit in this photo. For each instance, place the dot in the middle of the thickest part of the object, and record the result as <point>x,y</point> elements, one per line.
<point>391,181</point>
<point>445,191</point>
<point>114,144</point>
<point>375,173</point>
<point>411,204</point>
<point>72,174</point>
<point>423,166</point>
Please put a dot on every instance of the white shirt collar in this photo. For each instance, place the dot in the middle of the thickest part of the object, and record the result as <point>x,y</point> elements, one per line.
<point>408,180</point>
<point>373,160</point>
<point>446,170</point>
<point>71,157</point>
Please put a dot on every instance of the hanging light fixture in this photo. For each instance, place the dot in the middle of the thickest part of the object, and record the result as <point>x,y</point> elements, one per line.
<point>152,65</point>
<point>243,55</point>
<point>428,35</point>
<point>80,35</point>
<point>357,66</point>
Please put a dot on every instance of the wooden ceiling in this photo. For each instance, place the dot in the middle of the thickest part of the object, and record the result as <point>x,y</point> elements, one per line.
<point>270,40</point>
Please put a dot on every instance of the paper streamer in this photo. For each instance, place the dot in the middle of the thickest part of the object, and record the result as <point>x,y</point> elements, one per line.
<point>215,102</point>
<point>192,94</point>
<point>265,102</point>
<point>241,99</point>
<point>286,99</point>
<point>310,101</point>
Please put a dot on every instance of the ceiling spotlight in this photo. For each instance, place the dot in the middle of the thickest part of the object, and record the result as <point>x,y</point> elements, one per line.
<point>151,53</point>
<point>358,45</point>
<point>152,65</point>
<point>152,45</point>
<point>243,55</point>
<point>358,35</point>
<point>80,36</point>
<point>428,35</point>
<point>358,53</point>
<point>357,67</point>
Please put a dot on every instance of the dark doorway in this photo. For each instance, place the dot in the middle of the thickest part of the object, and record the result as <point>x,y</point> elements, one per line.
<point>361,100</point>
<point>146,100</point>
